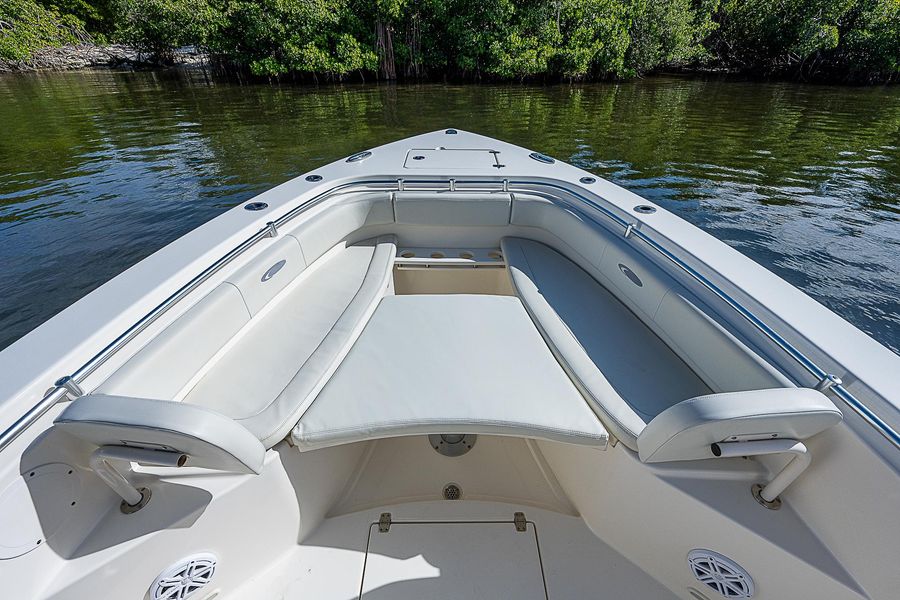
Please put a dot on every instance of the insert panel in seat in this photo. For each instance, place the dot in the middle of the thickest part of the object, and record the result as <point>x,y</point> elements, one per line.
<point>449,363</point>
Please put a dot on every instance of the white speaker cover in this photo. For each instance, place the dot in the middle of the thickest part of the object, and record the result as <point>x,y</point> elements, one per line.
<point>721,574</point>
<point>184,578</point>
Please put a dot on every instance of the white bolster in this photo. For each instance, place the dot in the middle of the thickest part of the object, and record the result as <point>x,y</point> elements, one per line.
<point>209,439</point>
<point>686,430</point>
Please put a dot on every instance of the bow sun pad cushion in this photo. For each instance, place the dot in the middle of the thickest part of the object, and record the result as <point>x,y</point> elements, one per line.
<point>210,440</point>
<point>449,364</point>
<point>628,373</point>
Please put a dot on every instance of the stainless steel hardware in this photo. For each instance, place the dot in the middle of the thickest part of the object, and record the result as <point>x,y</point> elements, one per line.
<point>70,386</point>
<point>520,522</point>
<point>384,523</point>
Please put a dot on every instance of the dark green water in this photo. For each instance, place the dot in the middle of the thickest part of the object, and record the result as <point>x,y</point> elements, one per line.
<point>98,170</point>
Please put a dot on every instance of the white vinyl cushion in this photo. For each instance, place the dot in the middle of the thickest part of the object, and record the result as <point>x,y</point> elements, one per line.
<point>448,364</point>
<point>628,373</point>
<point>686,430</point>
<point>162,367</point>
<point>210,440</point>
<point>452,210</point>
<point>269,377</point>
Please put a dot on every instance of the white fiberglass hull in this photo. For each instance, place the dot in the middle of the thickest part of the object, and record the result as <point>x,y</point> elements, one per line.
<point>448,367</point>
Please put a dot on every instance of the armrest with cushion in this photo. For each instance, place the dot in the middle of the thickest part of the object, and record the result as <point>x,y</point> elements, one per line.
<point>210,440</point>
<point>687,430</point>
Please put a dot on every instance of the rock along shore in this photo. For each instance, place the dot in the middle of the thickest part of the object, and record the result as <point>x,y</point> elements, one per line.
<point>91,56</point>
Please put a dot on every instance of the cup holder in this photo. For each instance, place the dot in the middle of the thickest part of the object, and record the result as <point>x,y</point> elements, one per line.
<point>408,254</point>
<point>466,255</point>
<point>495,254</point>
<point>437,255</point>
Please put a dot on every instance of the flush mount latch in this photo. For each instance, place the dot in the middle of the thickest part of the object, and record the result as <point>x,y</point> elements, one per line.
<point>384,523</point>
<point>519,521</point>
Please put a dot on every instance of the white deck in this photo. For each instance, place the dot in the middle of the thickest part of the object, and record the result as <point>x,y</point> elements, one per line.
<point>454,560</point>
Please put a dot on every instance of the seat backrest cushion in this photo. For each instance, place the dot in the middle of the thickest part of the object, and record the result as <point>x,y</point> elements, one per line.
<point>268,273</point>
<point>209,439</point>
<point>687,430</point>
<point>168,362</point>
<point>452,210</point>
<point>330,223</point>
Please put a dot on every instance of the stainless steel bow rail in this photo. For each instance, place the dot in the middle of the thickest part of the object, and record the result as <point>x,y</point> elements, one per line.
<point>69,386</point>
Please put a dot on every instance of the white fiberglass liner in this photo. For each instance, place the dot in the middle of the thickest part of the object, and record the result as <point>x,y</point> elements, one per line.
<point>647,413</point>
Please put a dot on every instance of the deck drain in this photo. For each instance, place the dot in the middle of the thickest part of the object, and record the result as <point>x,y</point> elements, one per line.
<point>721,574</point>
<point>452,492</point>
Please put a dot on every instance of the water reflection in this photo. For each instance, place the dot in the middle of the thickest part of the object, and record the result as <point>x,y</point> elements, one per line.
<point>98,170</point>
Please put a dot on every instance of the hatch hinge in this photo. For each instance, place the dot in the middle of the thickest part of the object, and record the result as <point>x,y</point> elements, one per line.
<point>384,523</point>
<point>518,521</point>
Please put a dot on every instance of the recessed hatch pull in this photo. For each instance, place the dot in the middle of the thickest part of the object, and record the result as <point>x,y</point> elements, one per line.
<point>384,523</point>
<point>519,521</point>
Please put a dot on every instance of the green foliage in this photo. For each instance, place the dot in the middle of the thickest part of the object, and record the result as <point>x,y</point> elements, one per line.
<point>869,47</point>
<point>273,37</point>
<point>773,34</point>
<point>566,38</point>
<point>856,39</point>
<point>26,26</point>
<point>669,34</point>
<point>594,37</point>
<point>96,15</point>
<point>160,26</point>
<point>853,40</point>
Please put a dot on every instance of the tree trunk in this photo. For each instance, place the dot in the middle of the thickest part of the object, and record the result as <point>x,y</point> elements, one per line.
<point>414,43</point>
<point>384,47</point>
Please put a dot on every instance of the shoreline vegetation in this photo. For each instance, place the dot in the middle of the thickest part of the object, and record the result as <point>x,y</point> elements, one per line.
<point>829,41</point>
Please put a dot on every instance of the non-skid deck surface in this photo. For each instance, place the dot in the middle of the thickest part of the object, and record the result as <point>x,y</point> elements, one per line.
<point>448,561</point>
<point>462,561</point>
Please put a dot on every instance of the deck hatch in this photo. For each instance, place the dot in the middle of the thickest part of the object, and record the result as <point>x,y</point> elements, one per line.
<point>453,559</point>
<point>432,159</point>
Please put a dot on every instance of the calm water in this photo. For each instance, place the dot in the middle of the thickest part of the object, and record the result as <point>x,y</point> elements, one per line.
<point>99,170</point>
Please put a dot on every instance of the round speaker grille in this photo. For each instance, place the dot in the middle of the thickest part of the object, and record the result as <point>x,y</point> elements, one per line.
<point>721,574</point>
<point>184,577</point>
